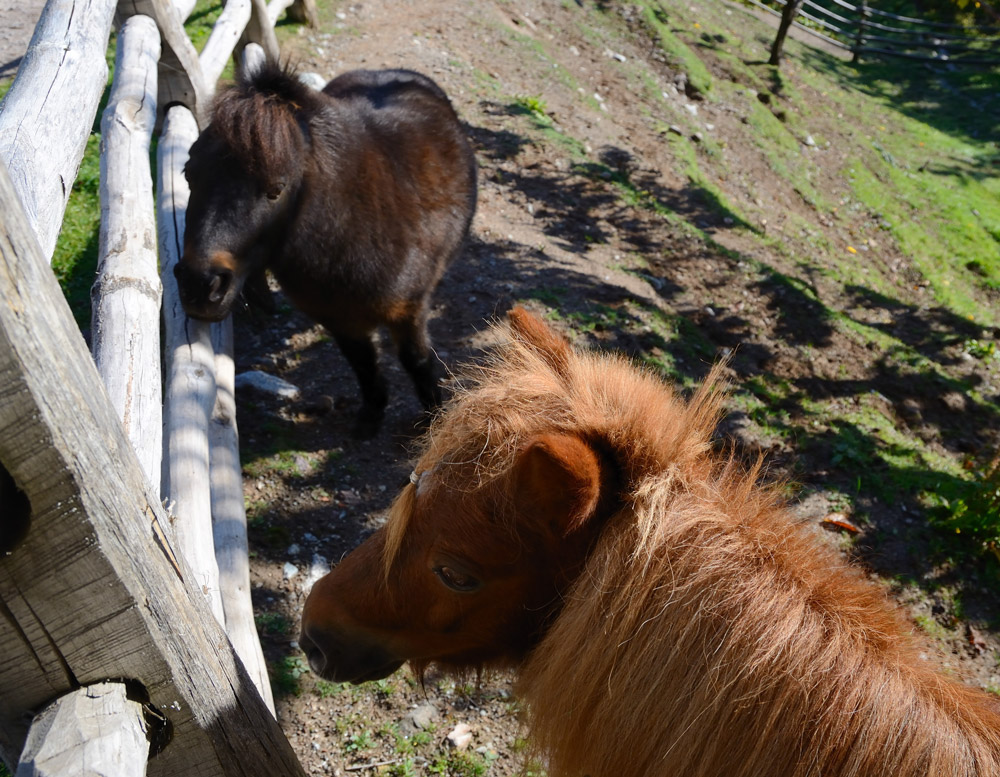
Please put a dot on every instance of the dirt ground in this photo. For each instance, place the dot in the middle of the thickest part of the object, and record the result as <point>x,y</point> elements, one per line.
<point>562,240</point>
<point>17,22</point>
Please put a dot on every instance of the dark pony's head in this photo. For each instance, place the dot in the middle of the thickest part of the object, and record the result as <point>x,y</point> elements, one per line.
<point>245,172</point>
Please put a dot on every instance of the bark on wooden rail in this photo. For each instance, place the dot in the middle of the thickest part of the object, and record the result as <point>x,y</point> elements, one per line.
<point>190,371</point>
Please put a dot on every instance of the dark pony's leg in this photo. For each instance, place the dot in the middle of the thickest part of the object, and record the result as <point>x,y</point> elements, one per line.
<point>418,359</point>
<point>361,354</point>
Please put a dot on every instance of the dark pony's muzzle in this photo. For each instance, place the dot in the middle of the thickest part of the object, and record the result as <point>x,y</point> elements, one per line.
<point>344,658</point>
<point>206,295</point>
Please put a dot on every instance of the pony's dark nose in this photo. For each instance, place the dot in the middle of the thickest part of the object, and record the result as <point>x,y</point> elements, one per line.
<point>346,658</point>
<point>218,285</point>
<point>205,294</point>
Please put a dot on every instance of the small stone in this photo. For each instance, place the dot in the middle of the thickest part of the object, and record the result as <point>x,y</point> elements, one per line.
<point>954,401</point>
<point>460,737</point>
<point>294,549</point>
<point>289,570</point>
<point>423,716</point>
<point>319,567</point>
<point>258,380</point>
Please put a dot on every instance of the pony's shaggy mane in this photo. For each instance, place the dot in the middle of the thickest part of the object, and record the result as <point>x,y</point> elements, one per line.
<point>258,119</point>
<point>708,634</point>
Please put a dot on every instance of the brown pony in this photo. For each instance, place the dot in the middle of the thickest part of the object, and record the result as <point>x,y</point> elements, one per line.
<point>666,614</point>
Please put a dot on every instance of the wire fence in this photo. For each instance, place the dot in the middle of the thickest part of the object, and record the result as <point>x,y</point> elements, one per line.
<point>872,33</point>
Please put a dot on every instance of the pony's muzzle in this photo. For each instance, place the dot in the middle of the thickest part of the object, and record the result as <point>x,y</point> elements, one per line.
<point>205,295</point>
<point>343,658</point>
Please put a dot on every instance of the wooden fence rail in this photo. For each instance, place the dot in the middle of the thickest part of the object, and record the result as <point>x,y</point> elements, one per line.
<point>191,462</point>
<point>918,40</point>
<point>95,590</point>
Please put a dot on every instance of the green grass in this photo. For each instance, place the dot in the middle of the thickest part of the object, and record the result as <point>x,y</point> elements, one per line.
<point>272,623</point>
<point>74,260</point>
<point>286,675</point>
<point>457,763</point>
<point>974,514</point>
<point>931,627</point>
<point>678,51</point>
<point>919,158</point>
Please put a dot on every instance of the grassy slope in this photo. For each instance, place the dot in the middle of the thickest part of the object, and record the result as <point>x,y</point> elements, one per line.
<point>920,160</point>
<point>917,172</point>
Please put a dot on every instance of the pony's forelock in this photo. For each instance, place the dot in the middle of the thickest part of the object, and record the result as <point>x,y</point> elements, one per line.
<point>396,525</point>
<point>260,120</point>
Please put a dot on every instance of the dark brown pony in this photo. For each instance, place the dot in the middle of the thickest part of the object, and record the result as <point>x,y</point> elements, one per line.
<point>666,615</point>
<point>357,198</point>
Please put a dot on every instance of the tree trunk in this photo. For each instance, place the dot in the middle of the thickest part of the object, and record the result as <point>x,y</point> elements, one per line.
<point>788,14</point>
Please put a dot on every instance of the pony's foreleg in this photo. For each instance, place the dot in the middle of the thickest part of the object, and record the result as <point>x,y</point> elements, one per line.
<point>361,354</point>
<point>419,360</point>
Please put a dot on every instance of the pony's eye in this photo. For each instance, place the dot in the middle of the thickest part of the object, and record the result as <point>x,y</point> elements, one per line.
<point>457,581</point>
<point>275,190</point>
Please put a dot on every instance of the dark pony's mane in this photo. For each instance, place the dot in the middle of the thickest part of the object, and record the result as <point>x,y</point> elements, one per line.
<point>259,119</point>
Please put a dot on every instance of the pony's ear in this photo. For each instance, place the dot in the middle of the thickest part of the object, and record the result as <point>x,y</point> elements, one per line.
<point>533,332</point>
<point>557,481</point>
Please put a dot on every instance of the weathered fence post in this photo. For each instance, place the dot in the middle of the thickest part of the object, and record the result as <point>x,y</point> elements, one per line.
<point>180,78</point>
<point>94,731</point>
<point>260,30</point>
<point>46,117</point>
<point>859,38</point>
<point>126,295</point>
<point>227,31</point>
<point>788,14</point>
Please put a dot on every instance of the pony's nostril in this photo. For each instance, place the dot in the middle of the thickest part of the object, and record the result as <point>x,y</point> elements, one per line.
<point>218,286</point>
<point>314,654</point>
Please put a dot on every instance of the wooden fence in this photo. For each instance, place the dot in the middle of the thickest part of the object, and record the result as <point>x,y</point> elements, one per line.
<point>98,581</point>
<point>872,33</point>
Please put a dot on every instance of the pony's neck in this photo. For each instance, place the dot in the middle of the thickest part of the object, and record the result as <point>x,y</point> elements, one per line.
<point>733,645</point>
